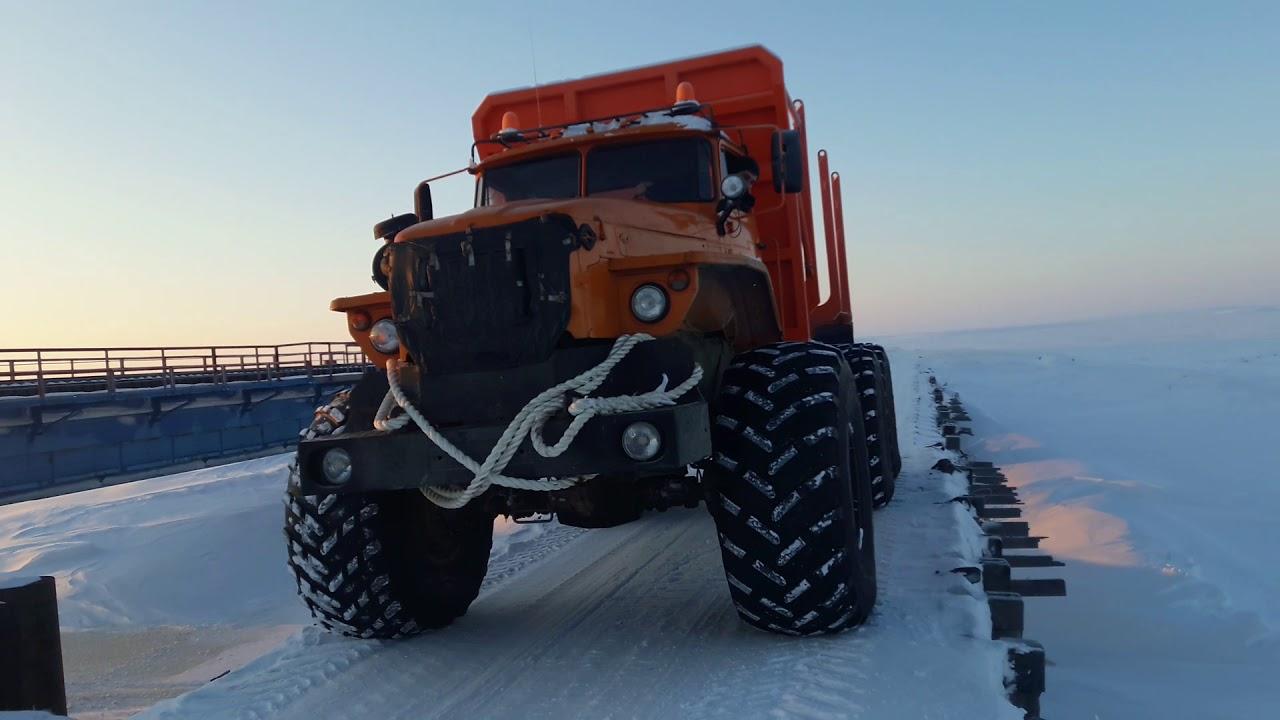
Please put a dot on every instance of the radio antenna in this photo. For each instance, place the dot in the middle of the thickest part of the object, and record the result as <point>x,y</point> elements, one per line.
<point>533,63</point>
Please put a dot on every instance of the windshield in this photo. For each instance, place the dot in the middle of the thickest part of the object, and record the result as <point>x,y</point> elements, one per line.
<point>553,178</point>
<point>662,171</point>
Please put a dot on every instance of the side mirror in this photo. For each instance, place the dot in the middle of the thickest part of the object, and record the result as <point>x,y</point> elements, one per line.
<point>788,162</point>
<point>422,201</point>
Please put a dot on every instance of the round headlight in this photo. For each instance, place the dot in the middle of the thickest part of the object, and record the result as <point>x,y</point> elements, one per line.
<point>649,303</point>
<point>336,466</point>
<point>641,441</point>
<point>733,186</point>
<point>384,337</point>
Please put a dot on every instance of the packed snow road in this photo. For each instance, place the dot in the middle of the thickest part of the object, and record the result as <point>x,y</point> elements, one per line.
<point>633,621</point>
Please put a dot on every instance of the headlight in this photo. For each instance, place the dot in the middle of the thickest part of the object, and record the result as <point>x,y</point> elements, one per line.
<point>649,303</point>
<point>733,186</point>
<point>383,336</point>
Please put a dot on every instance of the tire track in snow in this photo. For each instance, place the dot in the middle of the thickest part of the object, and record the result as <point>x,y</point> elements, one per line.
<point>313,658</point>
<point>524,553</point>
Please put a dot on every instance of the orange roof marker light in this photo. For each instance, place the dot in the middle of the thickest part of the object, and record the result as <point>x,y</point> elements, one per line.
<point>510,126</point>
<point>686,101</point>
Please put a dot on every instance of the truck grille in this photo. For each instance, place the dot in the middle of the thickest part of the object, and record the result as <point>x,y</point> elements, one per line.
<point>486,299</point>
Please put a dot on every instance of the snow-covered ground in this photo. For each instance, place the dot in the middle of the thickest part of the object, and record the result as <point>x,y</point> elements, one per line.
<point>1148,449</point>
<point>169,583</point>
<point>162,584</point>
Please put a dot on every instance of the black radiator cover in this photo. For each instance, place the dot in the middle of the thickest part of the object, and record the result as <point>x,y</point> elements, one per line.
<point>485,299</point>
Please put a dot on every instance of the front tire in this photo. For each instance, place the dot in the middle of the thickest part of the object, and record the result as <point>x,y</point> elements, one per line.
<point>789,492</point>
<point>383,565</point>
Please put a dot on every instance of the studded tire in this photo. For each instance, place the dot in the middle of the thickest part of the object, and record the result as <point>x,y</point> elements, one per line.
<point>872,397</point>
<point>891,433</point>
<point>788,489</point>
<point>383,565</point>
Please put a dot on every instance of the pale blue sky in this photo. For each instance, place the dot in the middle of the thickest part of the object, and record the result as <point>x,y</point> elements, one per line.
<point>181,172</point>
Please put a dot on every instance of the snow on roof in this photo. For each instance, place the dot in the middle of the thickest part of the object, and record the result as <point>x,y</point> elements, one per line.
<point>658,117</point>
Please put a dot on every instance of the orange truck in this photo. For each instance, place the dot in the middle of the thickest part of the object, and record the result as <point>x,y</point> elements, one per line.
<point>628,319</point>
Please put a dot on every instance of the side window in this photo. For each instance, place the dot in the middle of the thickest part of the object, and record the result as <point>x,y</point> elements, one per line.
<point>731,162</point>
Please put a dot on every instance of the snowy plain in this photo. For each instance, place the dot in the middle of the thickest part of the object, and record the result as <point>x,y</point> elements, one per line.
<point>170,583</point>
<point>1148,450</point>
<point>1145,448</point>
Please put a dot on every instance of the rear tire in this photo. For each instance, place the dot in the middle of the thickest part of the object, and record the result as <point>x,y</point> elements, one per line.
<point>788,489</point>
<point>383,565</point>
<point>869,377</point>
<point>891,435</point>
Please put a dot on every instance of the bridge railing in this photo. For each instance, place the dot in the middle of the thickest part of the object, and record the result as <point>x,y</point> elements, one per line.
<point>38,371</point>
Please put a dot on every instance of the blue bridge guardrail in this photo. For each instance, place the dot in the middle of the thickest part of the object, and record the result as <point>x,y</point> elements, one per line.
<point>76,418</point>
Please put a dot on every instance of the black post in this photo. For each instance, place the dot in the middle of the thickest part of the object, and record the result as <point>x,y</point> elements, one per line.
<point>31,664</point>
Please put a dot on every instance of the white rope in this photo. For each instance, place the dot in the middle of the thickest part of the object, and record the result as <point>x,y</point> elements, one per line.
<point>529,422</point>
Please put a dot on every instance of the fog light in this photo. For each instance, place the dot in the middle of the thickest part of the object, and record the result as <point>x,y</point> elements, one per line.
<point>336,466</point>
<point>641,441</point>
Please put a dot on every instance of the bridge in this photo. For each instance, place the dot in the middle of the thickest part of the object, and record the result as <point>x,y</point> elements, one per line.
<point>77,418</point>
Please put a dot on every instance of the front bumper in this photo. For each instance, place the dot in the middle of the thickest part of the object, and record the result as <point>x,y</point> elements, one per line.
<point>407,459</point>
<point>473,409</point>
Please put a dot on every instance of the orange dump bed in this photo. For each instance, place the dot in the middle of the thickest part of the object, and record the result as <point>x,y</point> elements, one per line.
<point>743,87</point>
